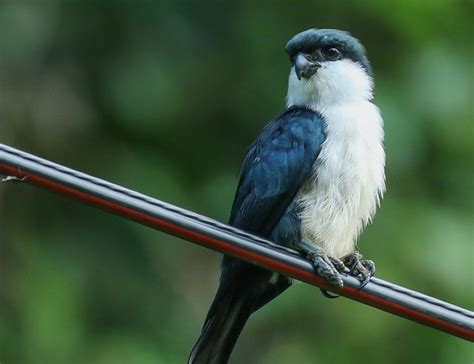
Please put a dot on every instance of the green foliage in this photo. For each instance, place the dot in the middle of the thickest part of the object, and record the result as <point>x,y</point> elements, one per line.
<point>164,97</point>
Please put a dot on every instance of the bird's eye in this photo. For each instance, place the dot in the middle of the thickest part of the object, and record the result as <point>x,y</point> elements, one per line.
<point>332,53</point>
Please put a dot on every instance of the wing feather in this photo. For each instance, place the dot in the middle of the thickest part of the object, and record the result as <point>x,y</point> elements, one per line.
<point>274,169</point>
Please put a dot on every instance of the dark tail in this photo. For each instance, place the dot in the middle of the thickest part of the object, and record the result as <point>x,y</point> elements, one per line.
<point>243,289</point>
<point>227,316</point>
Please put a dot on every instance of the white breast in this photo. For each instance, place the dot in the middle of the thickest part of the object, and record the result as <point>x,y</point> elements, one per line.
<point>348,179</point>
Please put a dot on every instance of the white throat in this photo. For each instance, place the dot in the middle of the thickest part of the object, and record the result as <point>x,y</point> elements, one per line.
<point>334,83</point>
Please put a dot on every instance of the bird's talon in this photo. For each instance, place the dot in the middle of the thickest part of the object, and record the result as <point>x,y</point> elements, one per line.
<point>325,268</point>
<point>369,265</point>
<point>362,269</point>
<point>339,265</point>
<point>363,282</point>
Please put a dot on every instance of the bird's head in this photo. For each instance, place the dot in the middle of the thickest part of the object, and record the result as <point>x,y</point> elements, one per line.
<point>329,66</point>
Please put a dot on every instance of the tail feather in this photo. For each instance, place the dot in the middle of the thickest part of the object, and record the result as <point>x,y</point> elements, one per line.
<point>227,316</point>
<point>243,289</point>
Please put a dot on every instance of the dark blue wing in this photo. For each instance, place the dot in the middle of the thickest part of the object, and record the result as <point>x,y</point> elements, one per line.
<point>274,169</point>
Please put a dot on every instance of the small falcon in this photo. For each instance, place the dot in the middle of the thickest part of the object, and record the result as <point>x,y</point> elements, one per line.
<point>311,181</point>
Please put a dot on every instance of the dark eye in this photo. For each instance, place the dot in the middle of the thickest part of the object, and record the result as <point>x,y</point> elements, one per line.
<point>332,53</point>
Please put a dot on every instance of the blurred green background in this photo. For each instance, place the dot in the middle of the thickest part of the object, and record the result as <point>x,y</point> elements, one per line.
<point>164,97</point>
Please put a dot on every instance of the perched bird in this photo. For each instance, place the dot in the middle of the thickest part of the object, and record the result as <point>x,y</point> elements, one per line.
<point>311,181</point>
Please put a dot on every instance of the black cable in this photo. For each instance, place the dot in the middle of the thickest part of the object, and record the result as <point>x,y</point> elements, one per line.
<point>218,236</point>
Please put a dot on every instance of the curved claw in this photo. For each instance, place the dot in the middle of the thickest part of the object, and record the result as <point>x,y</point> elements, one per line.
<point>327,294</point>
<point>362,269</point>
<point>366,270</point>
<point>369,267</point>
<point>364,282</point>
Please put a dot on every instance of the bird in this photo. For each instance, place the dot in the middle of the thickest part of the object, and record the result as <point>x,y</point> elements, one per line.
<point>311,181</point>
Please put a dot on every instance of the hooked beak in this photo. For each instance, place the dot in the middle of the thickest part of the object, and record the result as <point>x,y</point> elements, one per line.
<point>304,67</point>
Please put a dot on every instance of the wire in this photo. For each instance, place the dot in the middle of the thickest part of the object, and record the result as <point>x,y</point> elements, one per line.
<point>413,305</point>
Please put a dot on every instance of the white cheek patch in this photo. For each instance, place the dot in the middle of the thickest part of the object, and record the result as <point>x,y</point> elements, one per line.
<point>344,79</point>
<point>335,82</point>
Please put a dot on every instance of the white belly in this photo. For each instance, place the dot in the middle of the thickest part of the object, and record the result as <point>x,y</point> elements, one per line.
<point>347,181</point>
